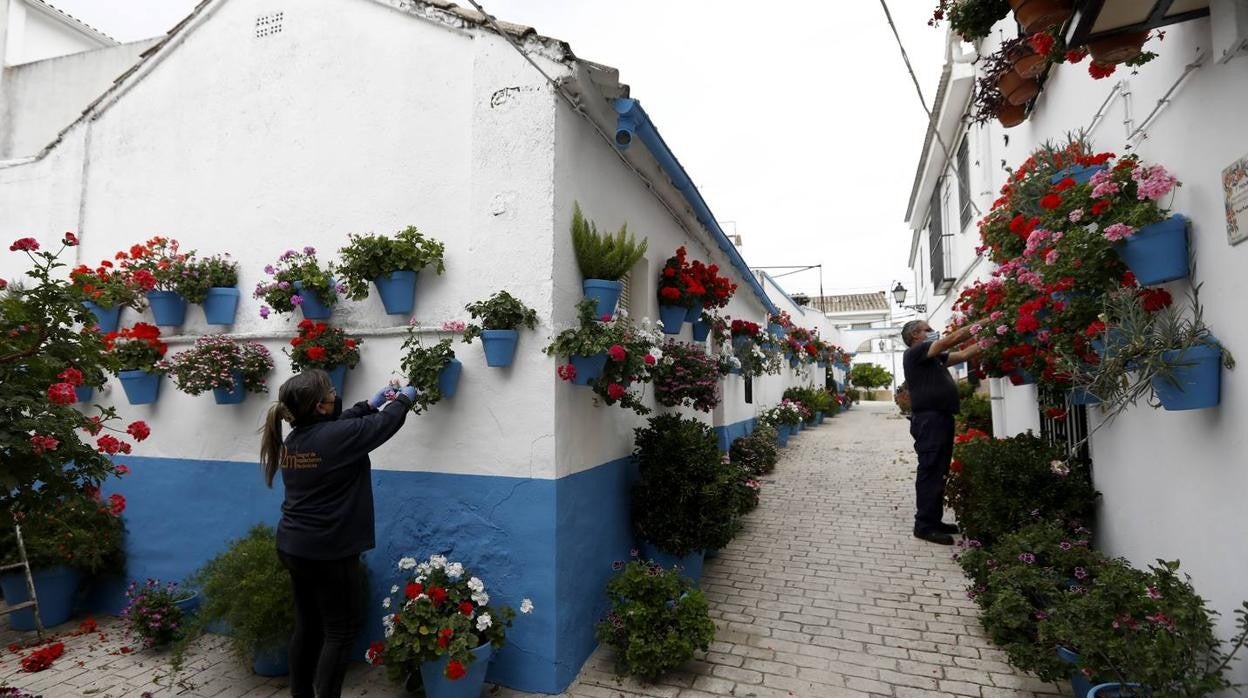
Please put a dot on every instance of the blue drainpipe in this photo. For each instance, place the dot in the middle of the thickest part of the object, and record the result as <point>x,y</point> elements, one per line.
<point>634,123</point>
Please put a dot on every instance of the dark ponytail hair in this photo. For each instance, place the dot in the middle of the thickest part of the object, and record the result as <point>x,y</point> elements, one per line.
<point>296,402</point>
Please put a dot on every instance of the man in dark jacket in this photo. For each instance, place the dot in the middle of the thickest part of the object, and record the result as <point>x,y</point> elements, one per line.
<point>934,402</point>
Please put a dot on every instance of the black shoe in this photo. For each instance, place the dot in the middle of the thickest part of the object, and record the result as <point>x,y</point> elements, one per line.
<point>933,536</point>
<point>943,527</point>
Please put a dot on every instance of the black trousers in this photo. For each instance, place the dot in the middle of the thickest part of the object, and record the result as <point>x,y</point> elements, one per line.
<point>328,609</point>
<point>933,441</point>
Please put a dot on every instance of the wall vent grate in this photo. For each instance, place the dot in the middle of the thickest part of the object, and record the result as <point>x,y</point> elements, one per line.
<point>269,25</point>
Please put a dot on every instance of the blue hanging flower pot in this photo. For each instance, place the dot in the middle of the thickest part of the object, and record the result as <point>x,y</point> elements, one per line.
<point>604,293</point>
<point>588,368</point>
<point>233,394</point>
<point>448,378</point>
<point>107,318</point>
<point>221,305</point>
<point>312,307</point>
<point>1082,174</point>
<point>142,388</point>
<point>338,378</point>
<point>672,317</point>
<point>1157,253</point>
<point>500,347</point>
<point>1196,380</point>
<point>701,330</point>
<point>398,292</point>
<point>168,307</point>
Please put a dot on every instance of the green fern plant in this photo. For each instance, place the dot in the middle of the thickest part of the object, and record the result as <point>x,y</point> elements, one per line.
<point>608,257</point>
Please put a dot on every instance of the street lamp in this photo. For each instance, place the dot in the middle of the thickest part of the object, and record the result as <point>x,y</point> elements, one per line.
<point>899,295</point>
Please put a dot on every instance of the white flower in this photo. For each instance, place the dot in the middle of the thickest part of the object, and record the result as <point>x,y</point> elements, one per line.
<point>407,563</point>
<point>455,570</point>
<point>420,579</point>
<point>1059,468</point>
<point>481,598</point>
<point>437,562</point>
<point>387,622</point>
<point>476,585</point>
<point>394,589</point>
<point>657,353</point>
<point>424,568</point>
<point>385,603</point>
<point>622,313</point>
<point>484,621</point>
<point>526,606</point>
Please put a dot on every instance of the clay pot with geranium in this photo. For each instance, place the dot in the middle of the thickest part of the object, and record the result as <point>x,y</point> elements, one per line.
<point>609,355</point>
<point>163,260</point>
<point>391,263</point>
<point>604,259</point>
<point>501,316</point>
<point>1039,15</point>
<point>321,345</point>
<point>299,280</point>
<point>228,367</point>
<point>442,625</point>
<point>134,354</point>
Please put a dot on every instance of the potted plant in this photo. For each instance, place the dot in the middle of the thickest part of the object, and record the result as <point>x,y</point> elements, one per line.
<point>755,452</point>
<point>608,356</point>
<point>440,623</point>
<point>213,282</point>
<point>247,589</point>
<point>1039,15</point>
<point>717,289</point>
<point>67,537</point>
<point>299,281</point>
<point>433,371</point>
<point>970,19</point>
<point>390,263</point>
<point>679,292</point>
<point>1152,244</point>
<point>156,613</point>
<point>134,355</point>
<point>105,290</point>
<point>229,367</point>
<point>501,315</point>
<point>682,502</point>
<point>603,260</point>
<point>685,375</point>
<point>161,258</point>
<point>320,345</point>
<point>658,619</point>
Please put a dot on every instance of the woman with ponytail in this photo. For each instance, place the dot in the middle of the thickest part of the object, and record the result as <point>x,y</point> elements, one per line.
<point>327,515</point>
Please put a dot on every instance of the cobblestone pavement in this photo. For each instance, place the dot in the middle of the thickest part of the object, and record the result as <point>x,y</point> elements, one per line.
<point>825,594</point>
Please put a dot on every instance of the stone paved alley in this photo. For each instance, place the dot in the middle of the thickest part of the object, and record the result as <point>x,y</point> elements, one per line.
<point>824,594</point>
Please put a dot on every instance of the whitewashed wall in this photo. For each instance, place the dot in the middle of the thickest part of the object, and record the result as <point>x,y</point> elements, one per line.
<point>33,36</point>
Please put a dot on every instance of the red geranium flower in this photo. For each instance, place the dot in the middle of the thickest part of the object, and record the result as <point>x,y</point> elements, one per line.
<point>70,240</point>
<point>649,360</point>
<point>139,430</point>
<point>615,391</point>
<point>466,608</point>
<point>24,245</point>
<point>1041,43</point>
<point>412,590</point>
<point>455,670</point>
<point>72,376</point>
<point>438,594</point>
<point>316,353</point>
<point>1065,184</point>
<point>1154,299</point>
<point>567,372</point>
<point>116,504</point>
<point>955,466</point>
<point>617,353</point>
<point>1098,71</point>
<point>1100,206</point>
<point>1051,201</point>
<point>374,654</point>
<point>1076,55</point>
<point>444,637</point>
<point>670,293</point>
<point>62,394</point>
<point>121,469</point>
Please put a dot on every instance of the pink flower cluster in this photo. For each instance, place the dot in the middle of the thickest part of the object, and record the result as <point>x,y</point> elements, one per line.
<point>1118,232</point>
<point>1153,182</point>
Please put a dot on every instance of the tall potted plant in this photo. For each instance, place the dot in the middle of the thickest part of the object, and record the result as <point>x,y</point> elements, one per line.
<point>162,259</point>
<point>603,260</point>
<point>501,315</point>
<point>229,367</point>
<point>213,283</point>
<point>391,263</point>
<point>299,281</point>
<point>441,624</point>
<point>134,354</point>
<point>320,345</point>
<point>433,371</point>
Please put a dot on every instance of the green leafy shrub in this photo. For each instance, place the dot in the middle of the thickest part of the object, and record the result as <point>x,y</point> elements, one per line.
<point>501,311</point>
<point>757,452</point>
<point>997,486</point>
<point>869,376</point>
<point>683,501</point>
<point>974,412</point>
<point>367,257</point>
<point>658,619</point>
<point>77,530</point>
<point>608,257</point>
<point>423,367</point>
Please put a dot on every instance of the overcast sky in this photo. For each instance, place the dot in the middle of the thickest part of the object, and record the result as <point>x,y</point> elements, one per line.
<point>796,120</point>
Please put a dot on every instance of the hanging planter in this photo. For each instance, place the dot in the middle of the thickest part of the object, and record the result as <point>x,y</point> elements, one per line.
<point>470,685</point>
<point>337,378</point>
<point>273,660</point>
<point>55,588</point>
<point>1157,253</point>
<point>1016,89</point>
<point>168,307</point>
<point>701,330</point>
<point>398,292</point>
<point>1011,115</point>
<point>312,306</point>
<point>448,378</point>
<point>1038,15</point>
<point>221,305</point>
<point>588,368</point>
<point>1027,63</point>
<point>672,317</point>
<point>794,362</point>
<point>690,565</point>
<point>1118,48</point>
<point>1080,396</point>
<point>1196,381</point>
<point>84,393</point>
<point>500,347</point>
<point>1082,174</point>
<point>142,387</point>
<point>232,395</point>
<point>604,293</point>
<point>694,312</point>
<point>107,318</point>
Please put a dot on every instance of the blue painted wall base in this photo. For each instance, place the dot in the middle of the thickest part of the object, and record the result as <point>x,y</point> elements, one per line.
<point>728,433</point>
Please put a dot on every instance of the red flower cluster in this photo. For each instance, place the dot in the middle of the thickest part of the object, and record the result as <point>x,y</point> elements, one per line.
<point>43,657</point>
<point>112,445</point>
<point>1098,71</point>
<point>1154,299</point>
<point>72,376</point>
<point>62,394</point>
<point>318,345</point>
<point>116,504</point>
<point>466,608</point>
<point>438,594</point>
<point>970,435</point>
<point>615,391</point>
<point>375,652</point>
<point>455,670</point>
<point>24,245</point>
<point>412,590</point>
<point>617,353</point>
<point>70,239</point>
<point>143,332</point>
<point>693,284</point>
<point>444,637</point>
<point>716,289</point>
<point>139,430</point>
<point>567,372</point>
<point>1041,43</point>
<point>42,443</point>
<point>745,328</point>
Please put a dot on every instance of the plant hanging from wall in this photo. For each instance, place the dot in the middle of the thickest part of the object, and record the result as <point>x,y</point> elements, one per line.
<point>686,376</point>
<point>323,346</point>
<point>220,362</point>
<point>626,350</point>
<point>432,370</point>
<point>298,276</point>
<point>390,262</point>
<point>604,256</point>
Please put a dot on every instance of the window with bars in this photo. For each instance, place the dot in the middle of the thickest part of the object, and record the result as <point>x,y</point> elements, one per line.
<point>964,183</point>
<point>939,245</point>
<point>1064,424</point>
<point>625,296</point>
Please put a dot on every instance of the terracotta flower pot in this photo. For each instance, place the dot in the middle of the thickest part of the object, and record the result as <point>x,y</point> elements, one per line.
<point>1017,89</point>
<point>1119,48</point>
<point>1011,115</point>
<point>1038,15</point>
<point>1030,65</point>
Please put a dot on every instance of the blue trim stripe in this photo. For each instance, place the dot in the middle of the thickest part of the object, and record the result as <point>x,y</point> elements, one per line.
<point>728,433</point>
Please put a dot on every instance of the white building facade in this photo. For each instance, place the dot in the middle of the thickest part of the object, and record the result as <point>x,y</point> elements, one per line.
<point>1172,482</point>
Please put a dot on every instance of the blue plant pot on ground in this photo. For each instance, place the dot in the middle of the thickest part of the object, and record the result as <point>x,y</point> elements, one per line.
<point>588,367</point>
<point>672,317</point>
<point>468,686</point>
<point>1157,253</point>
<point>701,330</point>
<point>1082,174</point>
<point>55,588</point>
<point>500,347</point>
<point>338,378</point>
<point>168,307</point>
<point>142,388</point>
<point>690,565</point>
<point>232,395</point>
<point>190,604</point>
<point>84,393</point>
<point>312,307</point>
<point>272,661</point>
<point>398,292</point>
<point>1079,684</point>
<point>1080,396</point>
<point>710,554</point>
<point>1197,378</point>
<point>605,295</point>
<point>782,436</point>
<point>107,318</point>
<point>1118,690</point>
<point>448,378</point>
<point>819,418</point>
<point>221,305</point>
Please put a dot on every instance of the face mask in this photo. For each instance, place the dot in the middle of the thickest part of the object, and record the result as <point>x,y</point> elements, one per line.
<point>933,336</point>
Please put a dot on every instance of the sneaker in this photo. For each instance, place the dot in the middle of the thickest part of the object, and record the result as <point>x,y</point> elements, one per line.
<point>943,527</point>
<point>933,536</point>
